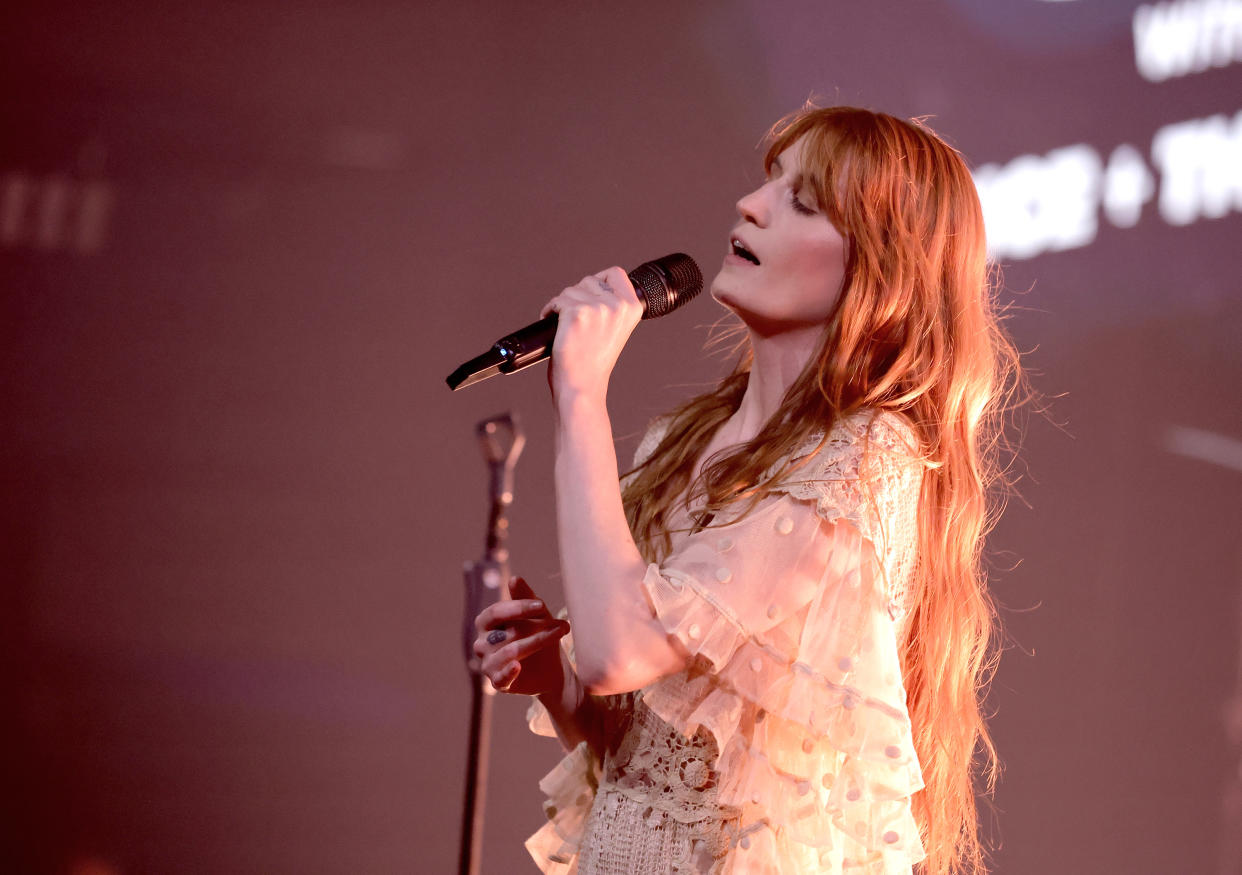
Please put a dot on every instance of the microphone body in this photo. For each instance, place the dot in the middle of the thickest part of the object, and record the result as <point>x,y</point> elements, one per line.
<point>662,285</point>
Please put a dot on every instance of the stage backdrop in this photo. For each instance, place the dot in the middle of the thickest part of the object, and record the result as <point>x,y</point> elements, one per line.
<point>242,244</point>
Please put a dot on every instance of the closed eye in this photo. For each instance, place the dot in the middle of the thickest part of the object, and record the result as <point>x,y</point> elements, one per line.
<point>799,206</point>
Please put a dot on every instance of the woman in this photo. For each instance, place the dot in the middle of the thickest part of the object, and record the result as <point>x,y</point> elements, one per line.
<point>780,621</point>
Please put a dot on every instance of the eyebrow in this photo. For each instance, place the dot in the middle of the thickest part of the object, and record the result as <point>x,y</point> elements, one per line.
<point>780,171</point>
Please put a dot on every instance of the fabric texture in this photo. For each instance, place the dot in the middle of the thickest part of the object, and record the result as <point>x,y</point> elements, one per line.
<point>785,745</point>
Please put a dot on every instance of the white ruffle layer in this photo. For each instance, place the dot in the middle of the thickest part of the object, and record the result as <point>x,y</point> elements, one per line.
<point>825,765</point>
<point>570,790</point>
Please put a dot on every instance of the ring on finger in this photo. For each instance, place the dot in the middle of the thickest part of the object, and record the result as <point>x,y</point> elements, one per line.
<point>496,636</point>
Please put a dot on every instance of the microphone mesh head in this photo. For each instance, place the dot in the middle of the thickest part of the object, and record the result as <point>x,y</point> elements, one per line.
<point>666,283</point>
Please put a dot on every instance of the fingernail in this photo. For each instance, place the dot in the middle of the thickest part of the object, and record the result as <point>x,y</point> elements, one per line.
<point>536,605</point>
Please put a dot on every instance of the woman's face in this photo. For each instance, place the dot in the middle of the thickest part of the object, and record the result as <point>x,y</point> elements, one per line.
<point>786,262</point>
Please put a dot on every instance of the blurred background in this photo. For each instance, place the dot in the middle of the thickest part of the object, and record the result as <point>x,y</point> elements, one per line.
<point>242,244</point>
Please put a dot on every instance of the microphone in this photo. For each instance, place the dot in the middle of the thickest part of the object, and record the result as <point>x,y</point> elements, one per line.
<point>662,285</point>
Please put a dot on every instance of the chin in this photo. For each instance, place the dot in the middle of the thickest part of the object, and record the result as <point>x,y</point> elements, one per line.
<point>721,294</point>
<point>725,300</point>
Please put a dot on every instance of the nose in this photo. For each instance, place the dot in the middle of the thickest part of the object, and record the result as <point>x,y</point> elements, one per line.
<point>754,207</point>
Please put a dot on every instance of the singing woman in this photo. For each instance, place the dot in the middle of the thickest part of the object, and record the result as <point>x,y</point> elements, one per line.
<point>781,625</point>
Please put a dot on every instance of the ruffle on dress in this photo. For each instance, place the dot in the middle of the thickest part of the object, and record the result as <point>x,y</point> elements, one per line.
<point>803,698</point>
<point>787,615</point>
<point>569,790</point>
<point>867,471</point>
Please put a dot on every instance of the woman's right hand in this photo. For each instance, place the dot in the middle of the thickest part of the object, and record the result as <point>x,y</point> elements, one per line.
<point>595,319</point>
<point>517,644</point>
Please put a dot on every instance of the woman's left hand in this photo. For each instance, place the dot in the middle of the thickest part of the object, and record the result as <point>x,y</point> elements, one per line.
<point>595,319</point>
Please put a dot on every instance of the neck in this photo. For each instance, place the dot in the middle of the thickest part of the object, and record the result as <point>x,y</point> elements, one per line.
<point>779,359</point>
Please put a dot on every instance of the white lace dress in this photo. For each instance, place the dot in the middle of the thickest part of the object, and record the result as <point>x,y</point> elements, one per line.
<point>785,746</point>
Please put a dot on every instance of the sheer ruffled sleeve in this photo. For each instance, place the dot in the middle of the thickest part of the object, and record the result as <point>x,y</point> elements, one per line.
<point>788,614</point>
<point>868,472</point>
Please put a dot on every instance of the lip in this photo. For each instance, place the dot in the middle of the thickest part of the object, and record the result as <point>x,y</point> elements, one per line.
<point>733,258</point>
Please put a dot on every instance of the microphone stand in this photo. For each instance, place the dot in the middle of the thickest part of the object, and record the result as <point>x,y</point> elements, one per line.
<point>487,581</point>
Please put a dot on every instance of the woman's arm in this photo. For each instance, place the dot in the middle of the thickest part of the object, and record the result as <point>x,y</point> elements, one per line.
<point>619,645</point>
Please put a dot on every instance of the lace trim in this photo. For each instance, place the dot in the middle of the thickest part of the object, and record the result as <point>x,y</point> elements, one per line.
<point>658,766</point>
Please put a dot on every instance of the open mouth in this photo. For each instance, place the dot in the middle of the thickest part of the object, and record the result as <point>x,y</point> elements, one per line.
<point>742,252</point>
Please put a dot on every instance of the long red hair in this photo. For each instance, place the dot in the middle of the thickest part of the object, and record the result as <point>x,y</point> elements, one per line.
<point>916,331</point>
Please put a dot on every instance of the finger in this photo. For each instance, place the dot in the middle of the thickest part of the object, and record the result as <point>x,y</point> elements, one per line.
<point>567,298</point>
<point>496,639</point>
<point>490,642</point>
<point>612,283</point>
<point>617,293</point>
<point>509,611</point>
<point>553,305</point>
<point>520,589</point>
<point>515,610</point>
<point>618,283</point>
<point>524,647</point>
<point>503,676</point>
<point>573,297</point>
<point>508,675</point>
<point>494,662</point>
